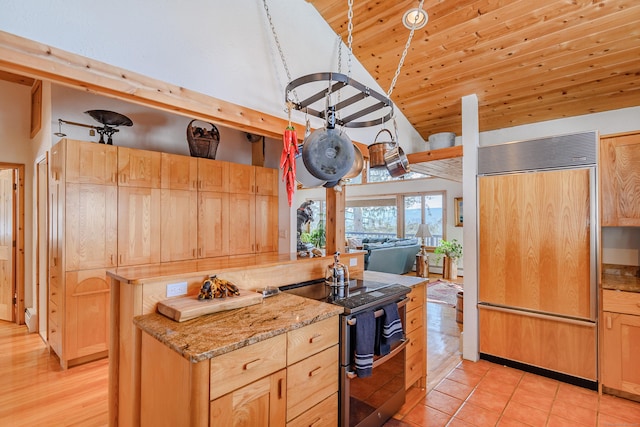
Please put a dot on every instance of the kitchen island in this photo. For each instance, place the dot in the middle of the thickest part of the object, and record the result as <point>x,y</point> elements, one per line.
<point>273,323</point>
<point>136,291</point>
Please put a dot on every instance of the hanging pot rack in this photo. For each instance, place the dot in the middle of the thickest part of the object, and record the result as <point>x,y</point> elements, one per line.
<point>338,82</point>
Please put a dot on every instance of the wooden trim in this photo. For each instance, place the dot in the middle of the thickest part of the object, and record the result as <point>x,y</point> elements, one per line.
<point>440,154</point>
<point>23,56</point>
<point>19,236</point>
<point>36,108</point>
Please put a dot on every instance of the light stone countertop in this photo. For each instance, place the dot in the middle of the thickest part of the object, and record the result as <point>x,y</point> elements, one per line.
<point>215,334</point>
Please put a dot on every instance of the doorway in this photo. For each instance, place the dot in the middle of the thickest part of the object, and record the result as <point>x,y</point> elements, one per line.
<point>12,243</point>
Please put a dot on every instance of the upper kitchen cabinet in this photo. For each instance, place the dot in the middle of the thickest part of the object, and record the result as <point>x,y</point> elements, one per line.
<point>620,180</point>
<point>242,179</point>
<point>266,181</point>
<point>86,163</point>
<point>138,168</point>
<point>213,175</point>
<point>253,180</point>
<point>178,172</point>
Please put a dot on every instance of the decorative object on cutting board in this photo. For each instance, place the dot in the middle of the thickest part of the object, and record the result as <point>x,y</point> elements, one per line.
<point>189,307</point>
<point>214,287</point>
<point>203,142</point>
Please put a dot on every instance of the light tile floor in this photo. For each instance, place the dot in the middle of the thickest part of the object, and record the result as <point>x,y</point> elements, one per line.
<point>486,394</point>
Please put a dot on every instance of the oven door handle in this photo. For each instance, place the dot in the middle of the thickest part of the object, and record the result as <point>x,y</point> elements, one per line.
<point>403,343</point>
<point>378,313</point>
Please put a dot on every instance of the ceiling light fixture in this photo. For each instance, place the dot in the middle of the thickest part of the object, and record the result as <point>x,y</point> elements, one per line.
<point>415,18</point>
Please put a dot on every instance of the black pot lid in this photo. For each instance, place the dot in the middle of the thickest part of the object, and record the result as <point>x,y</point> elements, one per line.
<point>110,118</point>
<point>328,154</point>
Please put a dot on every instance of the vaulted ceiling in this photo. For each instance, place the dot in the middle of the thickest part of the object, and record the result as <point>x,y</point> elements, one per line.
<point>527,60</point>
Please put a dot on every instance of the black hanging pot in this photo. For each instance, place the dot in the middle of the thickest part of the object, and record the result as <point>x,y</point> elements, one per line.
<point>304,177</point>
<point>328,153</point>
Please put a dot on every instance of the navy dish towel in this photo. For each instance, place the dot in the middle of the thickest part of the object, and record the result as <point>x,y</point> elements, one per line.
<point>392,331</point>
<point>365,340</point>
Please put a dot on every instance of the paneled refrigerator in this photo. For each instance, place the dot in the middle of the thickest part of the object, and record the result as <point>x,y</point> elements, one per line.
<point>537,214</point>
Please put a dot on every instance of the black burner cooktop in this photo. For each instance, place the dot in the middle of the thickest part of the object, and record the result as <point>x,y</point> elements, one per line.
<point>358,296</point>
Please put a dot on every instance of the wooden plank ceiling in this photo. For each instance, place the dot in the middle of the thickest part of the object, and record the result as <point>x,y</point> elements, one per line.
<point>527,61</point>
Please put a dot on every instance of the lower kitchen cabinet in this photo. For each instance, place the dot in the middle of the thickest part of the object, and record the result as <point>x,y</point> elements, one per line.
<point>290,379</point>
<point>621,341</point>
<point>416,356</point>
<point>261,403</point>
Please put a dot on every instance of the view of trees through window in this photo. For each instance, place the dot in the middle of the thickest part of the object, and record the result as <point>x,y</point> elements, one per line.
<point>392,216</point>
<point>427,209</point>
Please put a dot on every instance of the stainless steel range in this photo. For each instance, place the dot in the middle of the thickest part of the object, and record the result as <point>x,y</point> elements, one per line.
<point>364,401</point>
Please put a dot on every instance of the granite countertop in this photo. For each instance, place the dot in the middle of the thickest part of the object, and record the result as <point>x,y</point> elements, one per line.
<point>212,335</point>
<point>621,283</point>
<point>621,277</point>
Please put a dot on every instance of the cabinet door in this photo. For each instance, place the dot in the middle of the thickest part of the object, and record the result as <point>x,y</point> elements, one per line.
<point>620,349</point>
<point>242,223</point>
<point>262,403</point>
<point>266,224</point>
<point>91,223</point>
<point>213,175</point>
<point>620,180</point>
<point>213,224</point>
<point>266,181</point>
<point>179,225</point>
<point>138,226</point>
<point>242,178</point>
<point>87,313</point>
<point>90,163</point>
<point>178,172</point>
<point>56,166</point>
<point>138,168</point>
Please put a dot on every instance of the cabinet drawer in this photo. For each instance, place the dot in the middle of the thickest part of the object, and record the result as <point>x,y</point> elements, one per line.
<point>240,367</point>
<point>621,302</point>
<point>311,381</point>
<point>324,414</point>
<point>415,319</point>
<point>54,313</point>
<point>416,341</point>
<point>416,297</point>
<point>303,342</point>
<point>414,368</point>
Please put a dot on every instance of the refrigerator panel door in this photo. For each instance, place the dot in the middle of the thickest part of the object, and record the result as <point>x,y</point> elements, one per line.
<point>536,241</point>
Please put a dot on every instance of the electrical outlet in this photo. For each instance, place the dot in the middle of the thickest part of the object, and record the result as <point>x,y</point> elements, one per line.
<point>353,261</point>
<point>176,289</point>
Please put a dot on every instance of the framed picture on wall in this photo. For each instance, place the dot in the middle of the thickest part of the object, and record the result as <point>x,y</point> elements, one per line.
<point>457,211</point>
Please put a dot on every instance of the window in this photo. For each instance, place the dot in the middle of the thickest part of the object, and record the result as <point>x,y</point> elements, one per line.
<point>371,218</point>
<point>428,209</point>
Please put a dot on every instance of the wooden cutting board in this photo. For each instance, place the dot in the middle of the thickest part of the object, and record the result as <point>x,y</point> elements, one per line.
<point>190,307</point>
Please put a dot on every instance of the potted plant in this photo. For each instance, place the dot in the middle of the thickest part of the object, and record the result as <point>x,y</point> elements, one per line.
<point>452,252</point>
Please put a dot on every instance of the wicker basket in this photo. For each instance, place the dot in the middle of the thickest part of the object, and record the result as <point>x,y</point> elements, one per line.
<point>203,142</point>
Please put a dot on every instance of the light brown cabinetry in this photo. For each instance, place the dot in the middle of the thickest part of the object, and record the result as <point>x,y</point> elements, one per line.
<point>138,225</point>
<point>82,245</point>
<point>620,180</point>
<point>621,341</point>
<point>289,379</point>
<point>416,356</point>
<point>253,207</point>
<point>138,168</point>
<point>213,224</point>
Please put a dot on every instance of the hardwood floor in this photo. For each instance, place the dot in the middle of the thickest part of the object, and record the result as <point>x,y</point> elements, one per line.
<point>35,391</point>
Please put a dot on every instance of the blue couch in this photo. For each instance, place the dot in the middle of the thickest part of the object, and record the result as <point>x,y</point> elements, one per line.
<point>390,255</point>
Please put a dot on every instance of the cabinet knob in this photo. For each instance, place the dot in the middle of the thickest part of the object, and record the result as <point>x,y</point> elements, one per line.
<point>315,338</point>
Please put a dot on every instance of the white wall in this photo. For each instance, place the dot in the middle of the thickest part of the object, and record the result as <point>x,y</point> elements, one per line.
<point>220,48</point>
<point>16,147</point>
